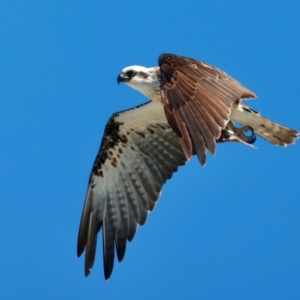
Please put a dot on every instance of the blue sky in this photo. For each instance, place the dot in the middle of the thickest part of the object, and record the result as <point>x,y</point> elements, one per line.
<point>230,230</point>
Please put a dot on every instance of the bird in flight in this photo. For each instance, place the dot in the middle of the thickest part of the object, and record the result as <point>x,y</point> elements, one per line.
<point>193,106</point>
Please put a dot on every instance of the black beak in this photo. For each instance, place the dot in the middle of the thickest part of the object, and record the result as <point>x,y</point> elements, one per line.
<point>122,78</point>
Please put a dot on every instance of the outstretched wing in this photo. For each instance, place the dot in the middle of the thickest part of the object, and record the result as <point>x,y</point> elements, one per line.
<point>197,99</point>
<point>139,152</point>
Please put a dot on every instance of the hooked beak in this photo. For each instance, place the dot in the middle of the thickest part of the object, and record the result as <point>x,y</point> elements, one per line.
<point>122,78</point>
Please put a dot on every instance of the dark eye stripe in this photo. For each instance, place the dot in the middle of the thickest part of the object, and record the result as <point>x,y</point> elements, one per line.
<point>131,73</point>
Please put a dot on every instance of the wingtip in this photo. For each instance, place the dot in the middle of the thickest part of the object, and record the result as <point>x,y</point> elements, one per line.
<point>202,161</point>
<point>87,272</point>
<point>107,273</point>
<point>80,250</point>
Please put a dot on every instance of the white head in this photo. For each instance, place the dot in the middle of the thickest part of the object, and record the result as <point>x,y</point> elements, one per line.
<point>145,80</point>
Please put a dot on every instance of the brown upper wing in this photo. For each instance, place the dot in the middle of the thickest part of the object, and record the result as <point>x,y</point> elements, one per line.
<point>197,99</point>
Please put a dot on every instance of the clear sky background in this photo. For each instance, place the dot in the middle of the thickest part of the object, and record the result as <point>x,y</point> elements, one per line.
<point>230,230</point>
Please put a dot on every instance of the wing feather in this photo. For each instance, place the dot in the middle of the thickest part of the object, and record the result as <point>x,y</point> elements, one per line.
<point>94,227</point>
<point>198,99</point>
<point>195,134</point>
<point>125,210</point>
<point>155,156</point>
<point>139,152</point>
<point>121,238</point>
<point>108,238</point>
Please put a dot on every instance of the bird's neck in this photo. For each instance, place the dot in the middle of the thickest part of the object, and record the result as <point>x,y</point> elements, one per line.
<point>152,90</point>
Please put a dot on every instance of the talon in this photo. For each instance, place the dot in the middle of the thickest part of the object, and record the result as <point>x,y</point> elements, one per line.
<point>240,132</point>
<point>234,134</point>
<point>252,137</point>
<point>248,139</point>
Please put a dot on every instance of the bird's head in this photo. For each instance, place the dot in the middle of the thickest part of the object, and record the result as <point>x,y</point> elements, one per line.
<point>145,80</point>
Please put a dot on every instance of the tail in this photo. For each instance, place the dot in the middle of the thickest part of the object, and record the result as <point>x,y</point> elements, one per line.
<point>267,129</point>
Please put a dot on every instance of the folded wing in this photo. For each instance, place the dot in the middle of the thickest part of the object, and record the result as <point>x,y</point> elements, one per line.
<point>197,99</point>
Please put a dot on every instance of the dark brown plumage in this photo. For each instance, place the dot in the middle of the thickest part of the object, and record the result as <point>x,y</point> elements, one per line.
<point>198,100</point>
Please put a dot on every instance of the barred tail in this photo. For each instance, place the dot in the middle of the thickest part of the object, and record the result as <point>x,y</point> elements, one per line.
<point>267,129</point>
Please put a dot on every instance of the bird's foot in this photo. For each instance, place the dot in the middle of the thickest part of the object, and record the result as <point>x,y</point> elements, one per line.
<point>229,135</point>
<point>240,133</point>
<point>225,136</point>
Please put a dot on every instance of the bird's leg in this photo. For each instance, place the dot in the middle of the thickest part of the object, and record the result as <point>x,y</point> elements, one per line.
<point>233,134</point>
<point>225,136</point>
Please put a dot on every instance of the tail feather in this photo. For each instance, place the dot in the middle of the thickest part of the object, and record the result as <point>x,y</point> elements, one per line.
<point>273,132</point>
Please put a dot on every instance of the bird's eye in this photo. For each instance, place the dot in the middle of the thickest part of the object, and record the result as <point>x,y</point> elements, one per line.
<point>131,73</point>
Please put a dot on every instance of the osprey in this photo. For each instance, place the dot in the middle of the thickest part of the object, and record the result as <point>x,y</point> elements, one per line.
<point>193,106</point>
